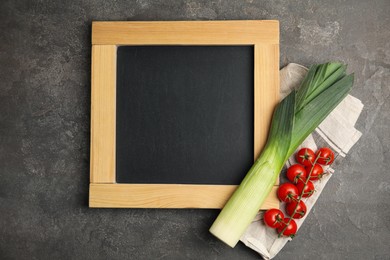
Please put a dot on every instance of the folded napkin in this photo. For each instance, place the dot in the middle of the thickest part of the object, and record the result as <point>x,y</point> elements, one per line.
<point>337,132</point>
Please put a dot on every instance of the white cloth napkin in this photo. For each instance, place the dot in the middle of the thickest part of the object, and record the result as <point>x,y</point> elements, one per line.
<point>337,131</point>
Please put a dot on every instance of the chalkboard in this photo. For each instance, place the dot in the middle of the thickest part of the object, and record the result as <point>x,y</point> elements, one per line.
<point>179,110</point>
<point>184,114</point>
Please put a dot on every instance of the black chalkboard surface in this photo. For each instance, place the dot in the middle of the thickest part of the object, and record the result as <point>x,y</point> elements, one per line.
<point>184,114</point>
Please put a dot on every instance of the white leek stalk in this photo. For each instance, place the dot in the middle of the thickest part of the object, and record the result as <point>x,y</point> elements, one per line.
<point>294,119</point>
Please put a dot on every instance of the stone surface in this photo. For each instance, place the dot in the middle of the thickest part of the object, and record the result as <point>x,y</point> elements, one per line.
<point>44,133</point>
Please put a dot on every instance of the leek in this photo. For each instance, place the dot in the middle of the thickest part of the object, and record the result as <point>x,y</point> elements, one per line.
<point>295,117</point>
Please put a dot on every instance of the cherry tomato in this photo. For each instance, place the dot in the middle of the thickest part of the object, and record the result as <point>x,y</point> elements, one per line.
<point>316,173</point>
<point>273,218</point>
<point>325,156</point>
<point>305,156</point>
<point>287,192</point>
<point>308,189</point>
<point>289,230</point>
<point>296,173</point>
<point>300,211</point>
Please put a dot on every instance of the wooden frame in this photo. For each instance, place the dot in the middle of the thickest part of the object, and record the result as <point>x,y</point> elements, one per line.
<point>106,36</point>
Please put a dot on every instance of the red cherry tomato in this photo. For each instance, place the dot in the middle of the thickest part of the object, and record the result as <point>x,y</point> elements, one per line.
<point>289,230</point>
<point>296,173</point>
<point>300,211</point>
<point>273,218</point>
<point>287,192</point>
<point>305,156</point>
<point>325,156</point>
<point>308,190</point>
<point>316,172</point>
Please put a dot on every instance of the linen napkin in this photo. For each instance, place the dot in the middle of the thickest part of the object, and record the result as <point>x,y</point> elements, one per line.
<point>337,132</point>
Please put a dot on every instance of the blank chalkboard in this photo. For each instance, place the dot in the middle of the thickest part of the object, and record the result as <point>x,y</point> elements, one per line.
<point>184,114</point>
<point>179,110</point>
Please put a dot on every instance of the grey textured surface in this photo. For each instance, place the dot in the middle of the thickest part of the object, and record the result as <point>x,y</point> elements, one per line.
<point>44,133</point>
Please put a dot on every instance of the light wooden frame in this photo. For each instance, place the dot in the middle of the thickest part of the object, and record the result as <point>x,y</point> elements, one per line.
<point>106,36</point>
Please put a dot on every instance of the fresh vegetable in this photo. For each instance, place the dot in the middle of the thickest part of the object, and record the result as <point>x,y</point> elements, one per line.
<point>295,117</point>
<point>296,173</point>
<point>305,156</point>
<point>305,189</point>
<point>316,172</point>
<point>287,192</point>
<point>295,206</point>
<point>325,156</point>
<point>296,209</point>
<point>273,218</point>
<point>288,228</point>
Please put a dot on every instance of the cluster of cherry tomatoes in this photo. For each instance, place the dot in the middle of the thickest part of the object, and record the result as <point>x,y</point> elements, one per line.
<point>301,176</point>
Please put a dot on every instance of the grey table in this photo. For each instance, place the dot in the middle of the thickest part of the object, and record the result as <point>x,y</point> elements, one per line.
<point>44,133</point>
